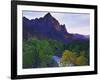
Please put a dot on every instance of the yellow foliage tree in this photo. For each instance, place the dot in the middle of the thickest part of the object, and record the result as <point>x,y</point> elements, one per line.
<point>68,57</point>
<point>81,60</point>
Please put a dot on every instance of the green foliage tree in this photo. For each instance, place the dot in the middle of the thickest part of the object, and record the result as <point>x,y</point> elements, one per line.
<point>27,55</point>
<point>38,53</point>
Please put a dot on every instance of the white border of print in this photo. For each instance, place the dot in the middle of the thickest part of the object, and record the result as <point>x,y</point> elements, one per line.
<point>21,71</point>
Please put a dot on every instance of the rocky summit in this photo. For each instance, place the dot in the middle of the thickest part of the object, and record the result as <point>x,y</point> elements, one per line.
<point>48,27</point>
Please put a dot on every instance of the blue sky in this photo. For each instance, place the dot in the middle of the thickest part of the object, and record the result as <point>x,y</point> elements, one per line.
<point>75,22</point>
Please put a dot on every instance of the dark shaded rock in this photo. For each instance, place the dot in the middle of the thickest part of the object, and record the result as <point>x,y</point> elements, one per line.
<point>48,27</point>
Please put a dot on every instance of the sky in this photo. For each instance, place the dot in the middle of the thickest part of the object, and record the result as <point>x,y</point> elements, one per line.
<point>75,22</point>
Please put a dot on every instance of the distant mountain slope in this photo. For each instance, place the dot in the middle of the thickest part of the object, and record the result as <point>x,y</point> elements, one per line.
<point>48,27</point>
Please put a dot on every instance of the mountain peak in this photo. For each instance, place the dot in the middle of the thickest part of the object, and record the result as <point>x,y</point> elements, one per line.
<point>25,18</point>
<point>48,15</point>
<point>48,27</point>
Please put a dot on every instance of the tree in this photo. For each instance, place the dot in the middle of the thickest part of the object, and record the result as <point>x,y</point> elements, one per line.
<point>68,57</point>
<point>81,60</point>
<point>27,54</point>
